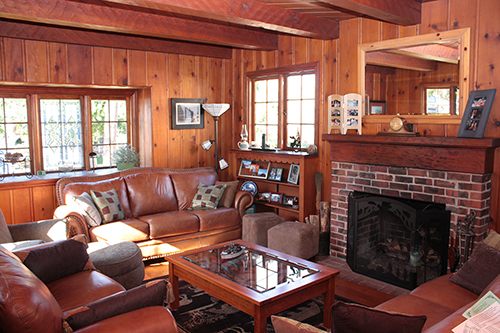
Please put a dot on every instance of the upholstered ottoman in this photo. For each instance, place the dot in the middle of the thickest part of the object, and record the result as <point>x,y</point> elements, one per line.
<point>120,260</point>
<point>255,227</point>
<point>294,238</point>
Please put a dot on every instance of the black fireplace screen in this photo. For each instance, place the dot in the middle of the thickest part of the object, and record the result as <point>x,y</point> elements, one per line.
<point>400,241</point>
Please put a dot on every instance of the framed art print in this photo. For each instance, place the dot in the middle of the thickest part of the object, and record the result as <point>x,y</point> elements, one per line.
<point>187,113</point>
<point>477,111</point>
<point>254,169</point>
<point>293,174</point>
<point>377,107</point>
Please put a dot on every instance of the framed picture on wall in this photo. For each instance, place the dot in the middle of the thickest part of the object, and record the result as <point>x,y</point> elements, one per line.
<point>187,113</point>
<point>477,111</point>
<point>377,107</point>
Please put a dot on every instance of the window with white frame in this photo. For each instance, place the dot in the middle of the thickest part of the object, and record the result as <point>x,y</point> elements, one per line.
<point>283,106</point>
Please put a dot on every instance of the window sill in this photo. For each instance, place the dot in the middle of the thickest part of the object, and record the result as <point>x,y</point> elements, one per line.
<point>50,178</point>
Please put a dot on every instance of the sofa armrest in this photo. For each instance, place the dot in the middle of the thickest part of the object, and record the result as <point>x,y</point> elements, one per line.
<point>154,293</point>
<point>150,319</point>
<point>242,200</point>
<point>76,222</point>
<point>46,230</point>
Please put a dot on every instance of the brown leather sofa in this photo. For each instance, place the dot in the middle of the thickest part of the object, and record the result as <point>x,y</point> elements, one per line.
<point>155,202</point>
<point>54,298</point>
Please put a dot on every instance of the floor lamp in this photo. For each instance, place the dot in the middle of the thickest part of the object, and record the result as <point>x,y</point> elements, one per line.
<point>215,110</point>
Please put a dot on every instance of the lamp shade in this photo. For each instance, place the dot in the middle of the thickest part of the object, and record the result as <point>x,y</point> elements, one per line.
<point>216,110</point>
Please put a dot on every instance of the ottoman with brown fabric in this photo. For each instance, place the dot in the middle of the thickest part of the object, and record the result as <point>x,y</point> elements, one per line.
<point>255,227</point>
<point>294,238</point>
<point>120,260</point>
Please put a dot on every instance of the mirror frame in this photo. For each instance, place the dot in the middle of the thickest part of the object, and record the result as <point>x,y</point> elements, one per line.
<point>462,35</point>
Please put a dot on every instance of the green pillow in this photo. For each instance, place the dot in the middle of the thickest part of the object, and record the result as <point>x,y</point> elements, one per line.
<point>207,197</point>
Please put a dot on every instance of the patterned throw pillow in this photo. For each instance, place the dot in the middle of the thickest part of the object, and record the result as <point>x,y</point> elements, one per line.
<point>207,197</point>
<point>84,205</point>
<point>109,205</point>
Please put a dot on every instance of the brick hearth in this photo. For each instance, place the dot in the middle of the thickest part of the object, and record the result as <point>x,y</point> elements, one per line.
<point>461,192</point>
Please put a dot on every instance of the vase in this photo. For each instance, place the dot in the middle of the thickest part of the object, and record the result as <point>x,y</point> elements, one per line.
<point>124,166</point>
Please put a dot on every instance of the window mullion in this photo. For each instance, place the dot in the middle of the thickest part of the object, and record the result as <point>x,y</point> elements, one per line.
<point>35,133</point>
<point>87,131</point>
<point>282,131</point>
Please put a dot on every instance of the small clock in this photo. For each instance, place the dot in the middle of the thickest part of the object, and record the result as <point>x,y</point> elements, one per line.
<point>398,125</point>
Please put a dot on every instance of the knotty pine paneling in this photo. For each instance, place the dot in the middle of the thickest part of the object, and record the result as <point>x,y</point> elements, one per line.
<point>120,67</point>
<point>13,55</point>
<point>57,63</point>
<point>79,64</point>
<point>103,65</point>
<point>36,56</point>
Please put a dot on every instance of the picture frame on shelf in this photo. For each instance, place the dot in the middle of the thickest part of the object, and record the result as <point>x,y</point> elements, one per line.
<point>275,174</point>
<point>477,111</point>
<point>187,113</point>
<point>276,198</point>
<point>378,107</point>
<point>264,196</point>
<point>254,169</point>
<point>290,201</point>
<point>293,174</point>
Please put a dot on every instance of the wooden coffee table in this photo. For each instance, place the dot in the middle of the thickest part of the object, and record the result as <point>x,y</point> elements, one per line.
<point>260,282</point>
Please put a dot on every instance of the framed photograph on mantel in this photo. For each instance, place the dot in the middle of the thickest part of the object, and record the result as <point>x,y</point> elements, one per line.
<point>187,113</point>
<point>377,107</point>
<point>477,111</point>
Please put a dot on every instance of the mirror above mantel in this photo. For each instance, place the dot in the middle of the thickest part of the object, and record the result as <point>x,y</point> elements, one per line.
<point>423,78</point>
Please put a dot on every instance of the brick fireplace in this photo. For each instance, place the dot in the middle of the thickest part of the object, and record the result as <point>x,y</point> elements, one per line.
<point>451,171</point>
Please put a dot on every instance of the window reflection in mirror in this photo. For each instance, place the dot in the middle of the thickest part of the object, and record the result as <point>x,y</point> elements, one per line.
<point>418,75</point>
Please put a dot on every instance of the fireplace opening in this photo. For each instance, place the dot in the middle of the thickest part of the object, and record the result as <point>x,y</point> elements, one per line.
<point>399,241</point>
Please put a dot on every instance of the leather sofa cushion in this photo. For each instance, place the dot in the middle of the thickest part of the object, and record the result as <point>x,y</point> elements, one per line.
<point>117,183</point>
<point>82,288</point>
<point>150,193</point>
<point>450,322</point>
<point>186,184</point>
<point>455,298</point>
<point>171,223</point>
<point>26,304</point>
<point>133,230</point>
<point>217,219</point>
<point>416,306</point>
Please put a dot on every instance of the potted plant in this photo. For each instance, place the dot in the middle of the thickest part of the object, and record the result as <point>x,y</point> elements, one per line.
<point>126,157</point>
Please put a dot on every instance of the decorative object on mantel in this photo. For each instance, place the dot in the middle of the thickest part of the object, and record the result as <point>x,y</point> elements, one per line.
<point>13,159</point>
<point>296,141</point>
<point>399,126</point>
<point>477,111</point>
<point>216,110</point>
<point>345,112</point>
<point>312,149</point>
<point>126,157</point>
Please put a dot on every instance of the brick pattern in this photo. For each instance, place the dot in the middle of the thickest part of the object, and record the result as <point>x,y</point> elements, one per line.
<point>461,192</point>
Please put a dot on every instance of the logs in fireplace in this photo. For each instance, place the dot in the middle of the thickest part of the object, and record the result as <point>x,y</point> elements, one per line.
<point>400,241</point>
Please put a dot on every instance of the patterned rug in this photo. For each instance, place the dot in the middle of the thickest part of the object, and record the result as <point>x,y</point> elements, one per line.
<point>201,313</point>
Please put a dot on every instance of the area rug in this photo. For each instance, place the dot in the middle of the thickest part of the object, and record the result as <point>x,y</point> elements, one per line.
<point>201,313</point>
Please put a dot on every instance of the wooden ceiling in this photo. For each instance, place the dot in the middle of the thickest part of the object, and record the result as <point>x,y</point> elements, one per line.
<point>198,27</point>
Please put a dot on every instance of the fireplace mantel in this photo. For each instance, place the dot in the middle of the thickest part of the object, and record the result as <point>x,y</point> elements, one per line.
<point>433,153</point>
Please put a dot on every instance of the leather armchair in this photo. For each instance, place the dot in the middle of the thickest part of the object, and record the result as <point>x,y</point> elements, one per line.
<point>54,288</point>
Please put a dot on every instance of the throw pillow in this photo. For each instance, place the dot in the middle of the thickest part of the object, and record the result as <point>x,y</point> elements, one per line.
<point>482,267</point>
<point>109,205</point>
<point>353,318</point>
<point>207,197</point>
<point>493,240</point>
<point>287,325</point>
<point>227,198</point>
<point>84,205</point>
<point>56,260</point>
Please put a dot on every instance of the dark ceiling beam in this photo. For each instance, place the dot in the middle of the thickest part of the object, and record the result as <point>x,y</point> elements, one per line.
<point>380,58</point>
<point>105,39</point>
<point>246,12</point>
<point>402,12</point>
<point>118,20</point>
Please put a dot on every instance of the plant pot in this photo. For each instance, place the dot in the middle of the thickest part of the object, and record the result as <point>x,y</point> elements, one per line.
<point>124,166</point>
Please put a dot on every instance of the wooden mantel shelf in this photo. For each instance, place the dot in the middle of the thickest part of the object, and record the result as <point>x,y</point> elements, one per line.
<point>432,153</point>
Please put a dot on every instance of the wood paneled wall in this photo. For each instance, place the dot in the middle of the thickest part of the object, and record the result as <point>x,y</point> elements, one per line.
<point>218,80</point>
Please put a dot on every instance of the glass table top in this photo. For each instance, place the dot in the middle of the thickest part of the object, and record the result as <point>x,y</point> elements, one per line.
<point>257,270</point>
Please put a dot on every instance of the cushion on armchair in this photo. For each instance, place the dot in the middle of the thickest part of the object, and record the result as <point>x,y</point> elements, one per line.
<point>158,292</point>
<point>287,325</point>
<point>56,260</point>
<point>353,318</point>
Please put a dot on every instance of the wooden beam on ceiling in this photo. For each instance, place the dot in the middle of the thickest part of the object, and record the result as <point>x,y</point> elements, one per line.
<point>380,58</point>
<point>380,70</point>
<point>246,12</point>
<point>105,39</point>
<point>104,18</point>
<point>401,12</point>
<point>436,52</point>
